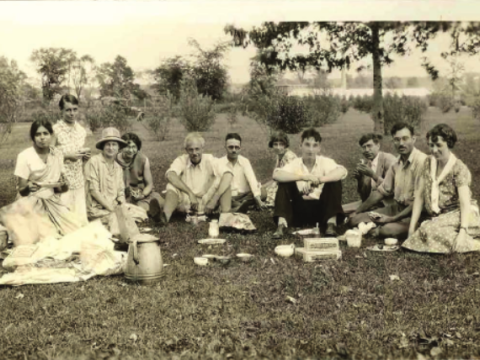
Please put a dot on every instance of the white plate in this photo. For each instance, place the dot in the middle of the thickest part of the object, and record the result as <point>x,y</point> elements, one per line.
<point>305,232</point>
<point>383,248</point>
<point>211,241</point>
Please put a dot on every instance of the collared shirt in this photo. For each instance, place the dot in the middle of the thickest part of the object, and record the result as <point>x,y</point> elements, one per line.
<point>199,178</point>
<point>400,179</point>
<point>70,139</point>
<point>105,178</point>
<point>322,167</point>
<point>244,179</point>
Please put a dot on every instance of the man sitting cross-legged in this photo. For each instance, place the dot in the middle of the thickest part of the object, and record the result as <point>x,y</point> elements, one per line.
<point>244,188</point>
<point>399,182</point>
<point>370,175</point>
<point>309,189</point>
<point>192,184</point>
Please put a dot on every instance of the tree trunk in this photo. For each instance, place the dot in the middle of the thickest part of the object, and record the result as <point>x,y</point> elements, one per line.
<point>377,108</point>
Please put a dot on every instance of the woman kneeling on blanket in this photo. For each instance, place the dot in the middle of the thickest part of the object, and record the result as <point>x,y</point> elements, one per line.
<point>40,181</point>
<point>443,189</point>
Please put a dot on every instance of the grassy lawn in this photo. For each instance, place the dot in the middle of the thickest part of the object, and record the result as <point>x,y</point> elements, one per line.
<point>345,309</point>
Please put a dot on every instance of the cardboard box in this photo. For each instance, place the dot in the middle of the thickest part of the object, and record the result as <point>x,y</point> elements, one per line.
<point>316,255</point>
<point>321,244</point>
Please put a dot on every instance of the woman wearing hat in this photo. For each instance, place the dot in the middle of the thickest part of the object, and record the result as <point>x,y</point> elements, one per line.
<point>104,178</point>
<point>279,143</point>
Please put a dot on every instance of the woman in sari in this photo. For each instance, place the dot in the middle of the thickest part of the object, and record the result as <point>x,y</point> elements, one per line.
<point>279,143</point>
<point>443,190</point>
<point>104,180</point>
<point>39,171</point>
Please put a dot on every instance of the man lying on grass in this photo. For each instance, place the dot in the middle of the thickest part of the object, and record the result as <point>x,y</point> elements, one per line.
<point>309,189</point>
<point>245,190</point>
<point>192,185</point>
<point>399,182</point>
<point>370,175</point>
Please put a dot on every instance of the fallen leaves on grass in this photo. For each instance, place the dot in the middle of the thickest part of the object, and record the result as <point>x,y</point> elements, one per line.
<point>19,296</point>
<point>435,351</point>
<point>133,337</point>
<point>394,277</point>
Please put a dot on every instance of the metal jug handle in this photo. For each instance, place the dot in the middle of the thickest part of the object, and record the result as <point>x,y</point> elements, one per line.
<point>135,252</point>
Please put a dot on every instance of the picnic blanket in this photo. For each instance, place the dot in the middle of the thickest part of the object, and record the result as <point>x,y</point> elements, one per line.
<point>78,256</point>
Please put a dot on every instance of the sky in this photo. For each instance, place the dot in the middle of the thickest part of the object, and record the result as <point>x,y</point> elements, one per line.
<point>145,32</point>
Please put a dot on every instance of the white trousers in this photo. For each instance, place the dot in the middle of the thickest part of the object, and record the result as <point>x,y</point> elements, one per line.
<point>76,202</point>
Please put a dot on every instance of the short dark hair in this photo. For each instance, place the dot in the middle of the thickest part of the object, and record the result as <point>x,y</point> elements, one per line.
<point>311,133</point>
<point>39,123</point>
<point>233,136</point>
<point>67,98</point>
<point>370,136</point>
<point>133,137</point>
<point>400,126</point>
<point>280,137</point>
<point>446,132</point>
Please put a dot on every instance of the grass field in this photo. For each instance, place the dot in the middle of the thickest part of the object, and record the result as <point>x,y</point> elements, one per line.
<point>347,309</point>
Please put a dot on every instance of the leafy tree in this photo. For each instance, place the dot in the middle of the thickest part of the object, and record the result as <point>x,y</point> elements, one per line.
<point>393,82</point>
<point>210,74</point>
<point>117,79</point>
<point>11,83</point>
<point>349,42</point>
<point>169,75</point>
<point>82,73</point>
<point>207,69</point>
<point>53,64</point>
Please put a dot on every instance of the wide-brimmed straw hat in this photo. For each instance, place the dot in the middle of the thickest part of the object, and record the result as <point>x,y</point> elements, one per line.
<point>110,134</point>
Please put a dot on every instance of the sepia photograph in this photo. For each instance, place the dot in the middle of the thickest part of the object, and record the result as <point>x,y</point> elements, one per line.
<point>240,179</point>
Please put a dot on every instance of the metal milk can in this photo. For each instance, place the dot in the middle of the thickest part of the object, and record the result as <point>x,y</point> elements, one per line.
<point>144,260</point>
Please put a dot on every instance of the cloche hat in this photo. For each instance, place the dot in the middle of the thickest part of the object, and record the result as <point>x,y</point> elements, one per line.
<point>110,134</point>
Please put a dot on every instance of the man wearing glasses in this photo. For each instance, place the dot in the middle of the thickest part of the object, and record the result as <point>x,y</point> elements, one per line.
<point>399,183</point>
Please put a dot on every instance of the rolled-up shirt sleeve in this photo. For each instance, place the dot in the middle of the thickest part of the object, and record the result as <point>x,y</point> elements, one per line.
<point>387,186</point>
<point>91,176</point>
<point>178,166</point>
<point>220,168</point>
<point>330,165</point>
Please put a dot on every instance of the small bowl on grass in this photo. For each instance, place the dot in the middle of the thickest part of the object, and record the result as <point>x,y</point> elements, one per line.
<point>201,261</point>
<point>224,260</point>
<point>245,257</point>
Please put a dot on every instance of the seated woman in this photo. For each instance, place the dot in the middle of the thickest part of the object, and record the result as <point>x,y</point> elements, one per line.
<point>279,142</point>
<point>40,181</point>
<point>443,190</point>
<point>138,177</point>
<point>104,179</point>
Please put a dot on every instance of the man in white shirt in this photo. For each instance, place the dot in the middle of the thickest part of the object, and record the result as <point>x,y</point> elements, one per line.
<point>192,182</point>
<point>309,189</point>
<point>245,190</point>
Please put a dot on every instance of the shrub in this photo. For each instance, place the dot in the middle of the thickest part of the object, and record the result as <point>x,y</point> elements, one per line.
<point>323,109</point>
<point>363,103</point>
<point>442,100</point>
<point>110,115</point>
<point>161,111</point>
<point>344,105</point>
<point>409,109</point>
<point>196,112</point>
<point>475,107</point>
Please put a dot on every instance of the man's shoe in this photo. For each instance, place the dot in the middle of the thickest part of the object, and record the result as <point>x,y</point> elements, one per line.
<point>279,233</point>
<point>331,230</point>
<point>161,219</point>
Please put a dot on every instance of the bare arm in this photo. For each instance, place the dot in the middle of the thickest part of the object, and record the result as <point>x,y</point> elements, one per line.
<point>374,198</point>
<point>147,176</point>
<point>175,180</point>
<point>464,197</point>
<point>417,206</point>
